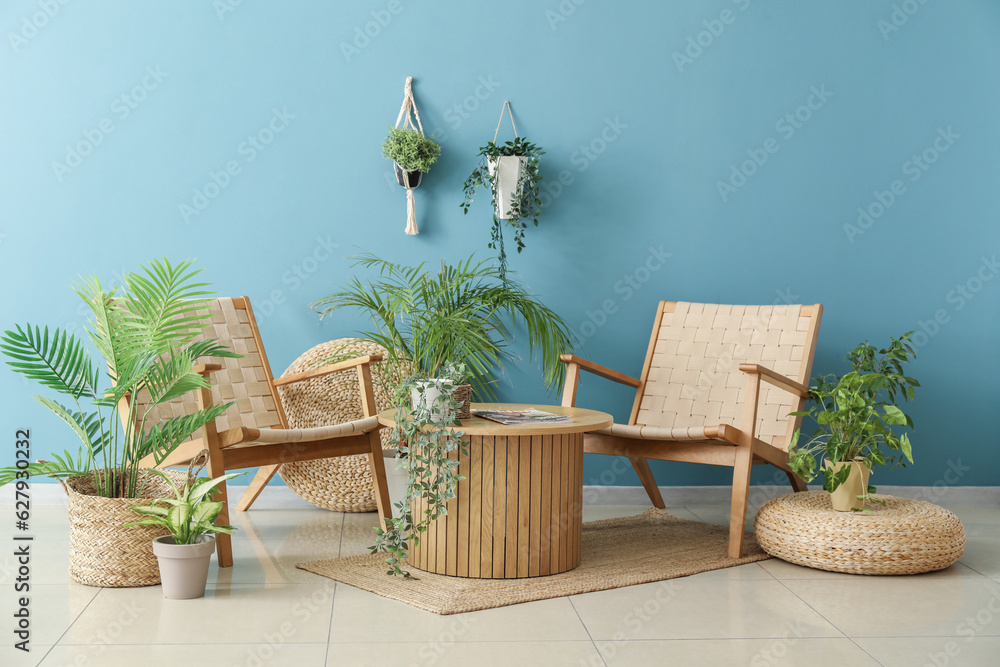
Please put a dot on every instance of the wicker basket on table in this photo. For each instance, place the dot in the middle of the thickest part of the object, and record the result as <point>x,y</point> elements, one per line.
<point>342,484</point>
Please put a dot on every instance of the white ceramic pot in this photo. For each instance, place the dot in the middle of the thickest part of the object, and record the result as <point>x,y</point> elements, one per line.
<point>507,174</point>
<point>432,395</point>
<point>183,567</point>
<point>845,497</point>
<point>395,475</point>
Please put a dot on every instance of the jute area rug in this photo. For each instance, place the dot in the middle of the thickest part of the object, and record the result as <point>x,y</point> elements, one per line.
<point>652,546</point>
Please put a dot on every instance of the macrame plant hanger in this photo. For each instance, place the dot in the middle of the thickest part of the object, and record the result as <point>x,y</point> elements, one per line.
<point>406,114</point>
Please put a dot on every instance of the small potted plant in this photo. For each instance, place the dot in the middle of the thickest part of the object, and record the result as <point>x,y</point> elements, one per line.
<point>189,517</point>
<point>856,415</point>
<point>412,154</point>
<point>510,172</point>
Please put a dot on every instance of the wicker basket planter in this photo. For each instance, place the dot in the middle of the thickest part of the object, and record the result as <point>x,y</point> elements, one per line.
<point>102,552</point>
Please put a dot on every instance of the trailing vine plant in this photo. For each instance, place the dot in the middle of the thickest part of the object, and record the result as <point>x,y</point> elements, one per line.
<point>425,444</point>
<point>526,203</point>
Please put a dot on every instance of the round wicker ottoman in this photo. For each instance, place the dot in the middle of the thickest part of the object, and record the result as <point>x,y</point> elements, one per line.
<point>342,484</point>
<point>900,537</point>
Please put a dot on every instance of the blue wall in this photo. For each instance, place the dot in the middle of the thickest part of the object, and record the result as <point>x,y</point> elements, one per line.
<point>650,111</point>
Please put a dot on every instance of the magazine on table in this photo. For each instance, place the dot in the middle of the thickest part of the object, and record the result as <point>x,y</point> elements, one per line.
<point>527,416</point>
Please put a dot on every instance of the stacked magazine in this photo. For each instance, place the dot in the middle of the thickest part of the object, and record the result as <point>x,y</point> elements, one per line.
<point>527,416</point>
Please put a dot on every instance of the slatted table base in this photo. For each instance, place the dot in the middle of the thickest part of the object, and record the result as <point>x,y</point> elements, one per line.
<point>518,513</point>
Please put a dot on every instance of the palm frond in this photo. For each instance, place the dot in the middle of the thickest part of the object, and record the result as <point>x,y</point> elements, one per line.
<point>163,438</point>
<point>58,362</point>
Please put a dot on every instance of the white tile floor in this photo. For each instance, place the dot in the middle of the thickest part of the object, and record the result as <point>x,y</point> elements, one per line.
<point>264,611</point>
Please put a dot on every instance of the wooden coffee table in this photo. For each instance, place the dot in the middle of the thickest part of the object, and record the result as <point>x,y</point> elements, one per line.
<point>519,512</point>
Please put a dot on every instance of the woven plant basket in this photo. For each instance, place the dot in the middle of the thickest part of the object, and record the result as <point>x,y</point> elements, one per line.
<point>463,395</point>
<point>102,551</point>
<point>342,484</point>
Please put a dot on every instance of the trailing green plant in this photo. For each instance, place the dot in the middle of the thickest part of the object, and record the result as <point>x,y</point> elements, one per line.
<point>857,414</point>
<point>463,314</point>
<point>146,335</point>
<point>191,513</point>
<point>424,443</point>
<point>526,203</point>
<point>411,150</point>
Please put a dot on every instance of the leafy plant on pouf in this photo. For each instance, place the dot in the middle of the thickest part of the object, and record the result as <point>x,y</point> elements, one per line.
<point>510,172</point>
<point>856,415</point>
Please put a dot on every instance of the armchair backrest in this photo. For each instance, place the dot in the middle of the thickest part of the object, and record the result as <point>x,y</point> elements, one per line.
<point>692,378</point>
<point>246,380</point>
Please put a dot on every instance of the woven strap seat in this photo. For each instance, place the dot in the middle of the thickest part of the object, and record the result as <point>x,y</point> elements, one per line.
<point>354,427</point>
<point>901,536</point>
<point>656,432</point>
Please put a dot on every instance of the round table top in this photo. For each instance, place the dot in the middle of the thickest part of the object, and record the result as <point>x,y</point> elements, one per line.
<point>583,420</point>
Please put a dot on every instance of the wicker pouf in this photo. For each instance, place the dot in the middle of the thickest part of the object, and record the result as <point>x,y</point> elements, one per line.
<point>342,484</point>
<point>900,537</point>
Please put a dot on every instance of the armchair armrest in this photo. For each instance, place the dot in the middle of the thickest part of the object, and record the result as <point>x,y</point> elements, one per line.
<point>778,380</point>
<point>326,370</point>
<point>597,369</point>
<point>207,369</point>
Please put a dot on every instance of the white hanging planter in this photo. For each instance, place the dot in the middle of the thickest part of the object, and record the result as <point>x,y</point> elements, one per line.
<point>507,176</point>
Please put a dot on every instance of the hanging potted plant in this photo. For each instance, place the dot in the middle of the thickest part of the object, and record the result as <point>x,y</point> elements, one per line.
<point>856,415</point>
<point>412,155</point>
<point>510,172</point>
<point>189,517</point>
<point>411,152</point>
<point>145,333</point>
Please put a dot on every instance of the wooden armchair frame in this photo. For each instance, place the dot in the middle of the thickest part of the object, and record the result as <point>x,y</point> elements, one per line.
<point>270,443</point>
<point>734,445</point>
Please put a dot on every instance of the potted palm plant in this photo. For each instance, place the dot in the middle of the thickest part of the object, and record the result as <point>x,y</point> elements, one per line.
<point>184,554</point>
<point>441,330</point>
<point>510,172</point>
<point>856,415</point>
<point>145,333</point>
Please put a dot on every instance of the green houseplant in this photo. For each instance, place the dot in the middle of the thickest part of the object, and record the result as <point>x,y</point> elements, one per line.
<point>189,517</point>
<point>144,333</point>
<point>510,172</point>
<point>856,415</point>
<point>463,314</point>
<point>412,154</point>
<point>440,329</point>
